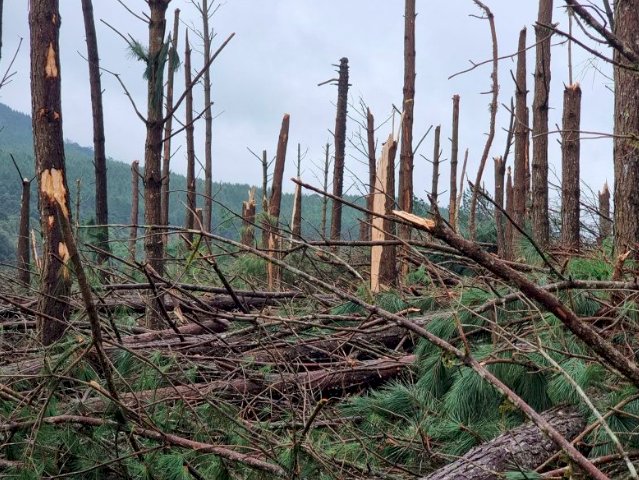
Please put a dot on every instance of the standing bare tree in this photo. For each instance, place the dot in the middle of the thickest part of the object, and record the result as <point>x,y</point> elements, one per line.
<point>46,114</point>
<point>570,147</point>
<point>208,118</point>
<point>340,148</point>
<point>99,155</point>
<point>521,137</point>
<point>296,219</point>
<point>436,154</point>
<point>605,223</point>
<point>135,205</point>
<point>500,172</point>
<point>539,209</point>
<point>365,229</point>
<point>405,186</point>
<point>23,252</point>
<point>327,164</point>
<point>168,126</point>
<point>454,153</point>
<point>189,217</point>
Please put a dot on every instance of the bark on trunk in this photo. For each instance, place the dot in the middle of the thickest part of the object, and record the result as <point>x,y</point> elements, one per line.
<point>208,121</point>
<point>521,139</point>
<point>510,207</point>
<point>340,148</point>
<point>153,241</point>
<point>605,222</point>
<point>265,221</point>
<point>189,217</point>
<point>365,229</point>
<point>405,190</point>
<point>500,171</point>
<point>452,202</point>
<point>168,126</point>
<point>570,168</point>
<point>626,149</point>
<point>99,155</point>
<point>324,197</point>
<point>539,212</point>
<point>46,114</point>
<point>523,448</point>
<point>436,152</point>
<point>23,252</point>
<point>135,203</point>
<point>296,218</point>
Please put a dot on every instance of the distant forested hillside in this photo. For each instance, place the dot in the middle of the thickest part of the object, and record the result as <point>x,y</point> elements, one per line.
<point>16,139</point>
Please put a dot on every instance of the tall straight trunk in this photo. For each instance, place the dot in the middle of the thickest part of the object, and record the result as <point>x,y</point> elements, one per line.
<point>521,137</point>
<point>168,126</point>
<point>99,155</point>
<point>570,147</point>
<point>296,220</point>
<point>208,121</point>
<point>23,252</point>
<point>539,211</point>
<point>454,153</point>
<point>265,221</point>
<point>405,190</point>
<point>135,205</point>
<point>383,268</point>
<point>189,217</point>
<point>500,171</point>
<point>510,210</point>
<point>527,186</point>
<point>340,148</point>
<point>153,241</point>
<point>46,114</point>
<point>327,159</point>
<point>626,149</point>
<point>1,18</point>
<point>365,228</point>
<point>436,153</point>
<point>605,223</point>
<point>248,219</point>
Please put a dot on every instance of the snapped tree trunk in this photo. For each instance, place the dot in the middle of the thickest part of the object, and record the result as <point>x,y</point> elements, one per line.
<point>570,168</point>
<point>365,227</point>
<point>135,203</point>
<point>265,220</point>
<point>23,252</point>
<point>521,449</point>
<point>510,210</point>
<point>153,241</point>
<point>189,217</point>
<point>454,152</point>
<point>383,268</point>
<point>605,222</point>
<point>405,190</point>
<point>436,153</point>
<point>168,126</point>
<point>208,121</point>
<point>500,171</point>
<point>46,114</point>
<point>327,164</point>
<point>296,219</point>
<point>248,219</point>
<point>626,149</point>
<point>340,148</point>
<point>539,210</point>
<point>521,139</point>
<point>99,155</point>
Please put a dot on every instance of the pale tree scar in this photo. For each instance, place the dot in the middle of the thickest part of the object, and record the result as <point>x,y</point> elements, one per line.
<point>63,253</point>
<point>52,186</point>
<point>51,69</point>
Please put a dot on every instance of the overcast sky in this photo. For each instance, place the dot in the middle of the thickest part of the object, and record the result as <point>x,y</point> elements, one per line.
<point>284,48</point>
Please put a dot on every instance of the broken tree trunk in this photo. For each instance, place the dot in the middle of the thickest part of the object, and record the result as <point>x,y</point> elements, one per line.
<point>296,219</point>
<point>521,139</point>
<point>452,202</point>
<point>570,168</point>
<point>523,448</point>
<point>189,217</point>
<point>436,154</point>
<point>340,148</point>
<point>265,221</point>
<point>383,268</point>
<point>324,197</point>
<point>605,222</point>
<point>23,252</point>
<point>208,117</point>
<point>135,205</point>
<point>500,170</point>
<point>509,230</point>
<point>365,227</point>
<point>248,219</point>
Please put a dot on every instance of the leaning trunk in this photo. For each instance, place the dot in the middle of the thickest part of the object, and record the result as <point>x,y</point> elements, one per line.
<point>48,143</point>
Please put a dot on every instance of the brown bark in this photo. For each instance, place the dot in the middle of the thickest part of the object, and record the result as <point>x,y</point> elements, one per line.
<point>406,160</point>
<point>539,210</point>
<point>605,222</point>
<point>436,154</point>
<point>340,148</point>
<point>324,197</point>
<point>365,227</point>
<point>383,267</point>
<point>509,230</point>
<point>500,171</point>
<point>521,139</point>
<point>248,219</point>
<point>626,149</point>
<point>23,252</point>
<point>208,120</point>
<point>189,216</point>
<point>46,114</point>
<point>168,126</point>
<point>525,448</point>
<point>452,202</point>
<point>265,221</point>
<point>570,147</point>
<point>296,218</point>
<point>153,241</point>
<point>99,155</point>
<point>135,204</point>
<point>528,174</point>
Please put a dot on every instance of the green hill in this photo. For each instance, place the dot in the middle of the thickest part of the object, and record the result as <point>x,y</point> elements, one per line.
<point>16,139</point>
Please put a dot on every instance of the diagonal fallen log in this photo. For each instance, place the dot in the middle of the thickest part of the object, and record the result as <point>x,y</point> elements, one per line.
<point>521,449</point>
